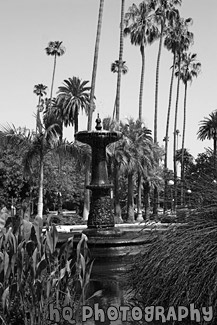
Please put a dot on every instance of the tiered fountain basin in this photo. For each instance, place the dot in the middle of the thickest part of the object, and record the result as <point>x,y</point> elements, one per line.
<point>107,240</point>
<point>121,241</point>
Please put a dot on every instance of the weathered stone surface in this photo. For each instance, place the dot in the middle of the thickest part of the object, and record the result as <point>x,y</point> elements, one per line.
<point>101,214</point>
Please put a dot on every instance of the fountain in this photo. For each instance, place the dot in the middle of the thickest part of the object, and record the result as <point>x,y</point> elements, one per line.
<point>101,215</point>
<point>111,245</point>
<point>105,239</point>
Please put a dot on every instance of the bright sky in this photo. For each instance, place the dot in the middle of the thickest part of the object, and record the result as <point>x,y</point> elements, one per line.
<point>27,26</point>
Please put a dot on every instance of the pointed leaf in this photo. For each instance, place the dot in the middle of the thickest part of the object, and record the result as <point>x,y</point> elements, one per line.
<point>30,246</point>
<point>6,262</point>
<point>27,226</point>
<point>40,267</point>
<point>52,238</point>
<point>4,297</point>
<point>34,259</point>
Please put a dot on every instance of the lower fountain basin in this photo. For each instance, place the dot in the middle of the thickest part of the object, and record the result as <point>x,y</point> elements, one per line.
<point>112,243</point>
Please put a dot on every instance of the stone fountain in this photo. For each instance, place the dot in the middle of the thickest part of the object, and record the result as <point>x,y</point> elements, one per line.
<point>112,246</point>
<point>105,239</point>
<point>101,215</point>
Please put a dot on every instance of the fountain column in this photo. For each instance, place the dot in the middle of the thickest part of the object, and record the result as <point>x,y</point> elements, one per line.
<point>101,212</point>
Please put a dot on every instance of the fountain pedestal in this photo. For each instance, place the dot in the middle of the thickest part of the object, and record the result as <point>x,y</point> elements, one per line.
<point>101,212</point>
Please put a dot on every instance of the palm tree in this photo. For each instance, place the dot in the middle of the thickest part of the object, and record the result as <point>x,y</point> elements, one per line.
<point>115,68</point>
<point>178,39</point>
<point>208,130</point>
<point>40,90</point>
<point>137,150</point>
<point>34,146</point>
<point>72,96</point>
<point>54,49</point>
<point>165,12</point>
<point>92,107</point>
<point>189,69</point>
<point>120,64</point>
<point>142,31</point>
<point>95,62</point>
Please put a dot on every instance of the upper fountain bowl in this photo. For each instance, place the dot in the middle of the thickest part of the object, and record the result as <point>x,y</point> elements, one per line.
<point>98,137</point>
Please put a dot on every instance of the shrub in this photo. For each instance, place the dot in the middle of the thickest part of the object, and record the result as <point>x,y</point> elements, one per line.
<point>35,273</point>
<point>179,267</point>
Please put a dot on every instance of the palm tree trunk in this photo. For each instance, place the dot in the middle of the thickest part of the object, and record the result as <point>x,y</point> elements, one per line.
<point>142,50</point>
<point>120,63</point>
<point>40,194</point>
<point>167,135</point>
<point>157,83</point>
<point>95,61</point>
<point>146,189</point>
<point>214,152</point>
<point>38,114</point>
<point>117,206</point>
<point>174,139</point>
<point>130,199</point>
<point>76,121</point>
<point>183,146</point>
<point>139,197</point>
<point>86,207</point>
<point>52,83</point>
<point>90,115</point>
<point>114,110</point>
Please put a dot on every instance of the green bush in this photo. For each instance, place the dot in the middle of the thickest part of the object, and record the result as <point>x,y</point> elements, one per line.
<point>179,268</point>
<point>35,273</point>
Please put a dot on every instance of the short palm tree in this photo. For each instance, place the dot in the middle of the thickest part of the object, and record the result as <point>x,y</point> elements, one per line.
<point>40,90</point>
<point>189,69</point>
<point>72,97</point>
<point>136,148</point>
<point>208,130</point>
<point>115,66</point>
<point>54,49</point>
<point>34,147</point>
<point>142,31</point>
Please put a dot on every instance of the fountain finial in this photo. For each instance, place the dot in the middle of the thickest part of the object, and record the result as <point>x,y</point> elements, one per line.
<point>98,123</point>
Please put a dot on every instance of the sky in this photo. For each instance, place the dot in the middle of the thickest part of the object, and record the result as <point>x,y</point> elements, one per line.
<point>26,27</point>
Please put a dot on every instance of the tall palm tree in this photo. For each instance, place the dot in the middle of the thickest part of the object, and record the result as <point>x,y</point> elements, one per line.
<point>40,90</point>
<point>178,39</point>
<point>95,62</point>
<point>189,69</point>
<point>165,13</point>
<point>72,96</point>
<point>142,31</point>
<point>92,107</point>
<point>54,49</point>
<point>115,69</point>
<point>120,64</point>
<point>208,130</point>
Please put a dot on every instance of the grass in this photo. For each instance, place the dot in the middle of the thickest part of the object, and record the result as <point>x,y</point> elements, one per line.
<point>180,267</point>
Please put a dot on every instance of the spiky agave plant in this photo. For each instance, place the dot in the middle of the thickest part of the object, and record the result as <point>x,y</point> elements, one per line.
<point>179,268</point>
